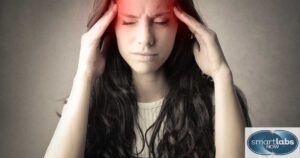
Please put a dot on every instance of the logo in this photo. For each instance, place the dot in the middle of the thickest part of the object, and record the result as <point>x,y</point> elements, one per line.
<point>272,141</point>
<point>278,142</point>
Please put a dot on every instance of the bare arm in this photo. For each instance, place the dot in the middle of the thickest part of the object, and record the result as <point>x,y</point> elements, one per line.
<point>69,137</point>
<point>229,121</point>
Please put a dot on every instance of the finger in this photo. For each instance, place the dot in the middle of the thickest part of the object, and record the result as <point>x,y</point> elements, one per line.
<point>101,25</point>
<point>196,27</point>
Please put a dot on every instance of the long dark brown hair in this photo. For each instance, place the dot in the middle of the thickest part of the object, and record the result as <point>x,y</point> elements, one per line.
<point>187,110</point>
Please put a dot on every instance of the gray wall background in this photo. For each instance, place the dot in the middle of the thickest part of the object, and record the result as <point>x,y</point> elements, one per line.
<point>39,48</point>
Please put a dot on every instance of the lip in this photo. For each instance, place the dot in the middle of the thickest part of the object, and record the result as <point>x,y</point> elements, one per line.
<point>145,57</point>
<point>145,54</point>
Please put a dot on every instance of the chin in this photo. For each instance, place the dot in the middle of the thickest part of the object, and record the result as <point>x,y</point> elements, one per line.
<point>143,69</point>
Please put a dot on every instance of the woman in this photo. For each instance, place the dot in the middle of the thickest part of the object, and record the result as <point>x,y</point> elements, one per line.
<point>150,53</point>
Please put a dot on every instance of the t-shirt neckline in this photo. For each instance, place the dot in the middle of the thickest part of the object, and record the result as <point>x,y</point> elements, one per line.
<point>150,105</point>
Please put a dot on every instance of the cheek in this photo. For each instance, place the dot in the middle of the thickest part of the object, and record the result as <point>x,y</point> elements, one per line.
<point>122,37</point>
<point>166,38</point>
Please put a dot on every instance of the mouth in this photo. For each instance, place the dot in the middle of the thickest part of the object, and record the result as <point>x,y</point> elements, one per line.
<point>145,57</point>
<point>145,54</point>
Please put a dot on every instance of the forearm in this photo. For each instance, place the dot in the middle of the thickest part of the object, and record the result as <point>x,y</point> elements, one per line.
<point>69,137</point>
<point>229,121</point>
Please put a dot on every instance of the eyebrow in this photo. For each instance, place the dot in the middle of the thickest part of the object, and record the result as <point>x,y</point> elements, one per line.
<point>155,15</point>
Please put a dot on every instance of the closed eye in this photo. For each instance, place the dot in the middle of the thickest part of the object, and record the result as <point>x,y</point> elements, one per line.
<point>161,22</point>
<point>127,23</point>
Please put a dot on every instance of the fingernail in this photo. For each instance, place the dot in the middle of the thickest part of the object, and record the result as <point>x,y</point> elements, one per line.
<point>114,6</point>
<point>178,8</point>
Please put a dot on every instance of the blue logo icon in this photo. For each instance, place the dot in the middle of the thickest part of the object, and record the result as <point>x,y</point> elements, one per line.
<point>267,142</point>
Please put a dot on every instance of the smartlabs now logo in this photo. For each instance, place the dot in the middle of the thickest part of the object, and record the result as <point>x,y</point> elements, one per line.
<point>272,142</point>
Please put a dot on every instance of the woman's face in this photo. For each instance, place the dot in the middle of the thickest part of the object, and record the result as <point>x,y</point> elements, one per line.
<point>145,31</point>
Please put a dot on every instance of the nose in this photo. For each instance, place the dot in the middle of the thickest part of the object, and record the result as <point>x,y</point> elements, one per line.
<point>145,35</point>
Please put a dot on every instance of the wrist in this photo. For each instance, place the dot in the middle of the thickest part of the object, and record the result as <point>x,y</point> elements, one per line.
<point>222,73</point>
<point>85,77</point>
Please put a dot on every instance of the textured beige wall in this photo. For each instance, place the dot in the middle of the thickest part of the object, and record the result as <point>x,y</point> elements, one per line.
<point>39,47</point>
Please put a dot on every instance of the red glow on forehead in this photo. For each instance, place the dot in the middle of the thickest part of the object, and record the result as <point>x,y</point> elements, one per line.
<point>138,7</point>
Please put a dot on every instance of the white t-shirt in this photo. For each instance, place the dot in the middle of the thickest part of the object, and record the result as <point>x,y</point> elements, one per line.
<point>148,113</point>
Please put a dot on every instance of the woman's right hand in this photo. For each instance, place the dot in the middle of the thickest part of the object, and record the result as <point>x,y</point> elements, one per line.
<point>91,59</point>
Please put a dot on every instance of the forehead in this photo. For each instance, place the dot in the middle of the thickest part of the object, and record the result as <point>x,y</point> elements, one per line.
<point>138,7</point>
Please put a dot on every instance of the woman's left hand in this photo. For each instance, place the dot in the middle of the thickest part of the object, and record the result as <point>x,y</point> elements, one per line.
<point>207,50</point>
